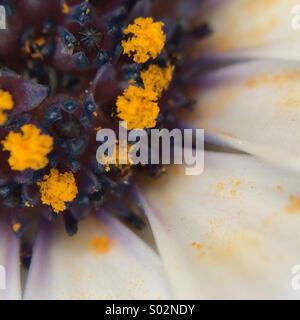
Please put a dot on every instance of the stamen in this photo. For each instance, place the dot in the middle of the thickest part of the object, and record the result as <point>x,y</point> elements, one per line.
<point>65,8</point>
<point>29,149</point>
<point>147,41</point>
<point>6,103</point>
<point>77,53</point>
<point>137,106</point>
<point>58,188</point>
<point>157,79</point>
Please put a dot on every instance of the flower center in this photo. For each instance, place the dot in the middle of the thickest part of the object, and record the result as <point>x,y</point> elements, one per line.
<point>100,69</point>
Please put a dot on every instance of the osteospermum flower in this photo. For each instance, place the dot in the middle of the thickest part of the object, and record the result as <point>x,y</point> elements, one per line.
<point>230,233</point>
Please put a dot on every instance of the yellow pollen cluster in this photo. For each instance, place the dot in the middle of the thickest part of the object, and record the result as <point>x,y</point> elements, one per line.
<point>28,149</point>
<point>138,108</point>
<point>16,227</point>
<point>58,188</point>
<point>146,39</point>
<point>157,79</point>
<point>65,8</point>
<point>6,103</point>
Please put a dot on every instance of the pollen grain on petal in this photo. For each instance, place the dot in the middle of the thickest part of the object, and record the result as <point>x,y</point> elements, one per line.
<point>277,80</point>
<point>6,103</point>
<point>197,245</point>
<point>199,248</point>
<point>58,188</point>
<point>293,206</point>
<point>146,39</point>
<point>229,188</point>
<point>101,244</point>
<point>28,148</point>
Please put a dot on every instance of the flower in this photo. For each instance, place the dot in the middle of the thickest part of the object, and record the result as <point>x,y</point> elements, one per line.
<point>231,232</point>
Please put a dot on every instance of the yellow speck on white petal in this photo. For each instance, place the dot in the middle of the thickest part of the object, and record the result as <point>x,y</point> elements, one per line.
<point>229,188</point>
<point>293,205</point>
<point>101,244</point>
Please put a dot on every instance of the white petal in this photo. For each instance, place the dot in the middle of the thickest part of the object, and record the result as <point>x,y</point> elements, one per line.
<point>255,107</point>
<point>232,232</point>
<point>10,283</point>
<point>262,28</point>
<point>66,267</point>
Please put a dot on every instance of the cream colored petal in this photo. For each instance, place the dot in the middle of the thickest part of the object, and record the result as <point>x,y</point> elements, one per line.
<point>247,28</point>
<point>230,233</point>
<point>10,283</point>
<point>254,107</point>
<point>104,260</point>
